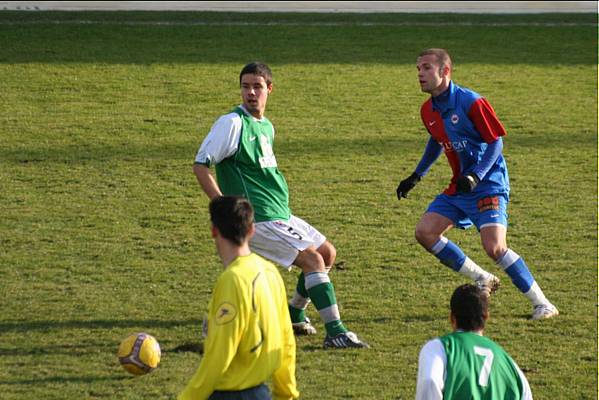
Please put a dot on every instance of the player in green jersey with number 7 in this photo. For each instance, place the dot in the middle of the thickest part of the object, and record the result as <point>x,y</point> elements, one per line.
<point>465,364</point>
<point>240,146</point>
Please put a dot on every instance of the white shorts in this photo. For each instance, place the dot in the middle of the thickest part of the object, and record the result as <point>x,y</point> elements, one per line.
<point>281,241</point>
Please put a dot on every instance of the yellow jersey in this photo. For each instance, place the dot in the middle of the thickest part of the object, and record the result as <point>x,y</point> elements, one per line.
<point>250,338</point>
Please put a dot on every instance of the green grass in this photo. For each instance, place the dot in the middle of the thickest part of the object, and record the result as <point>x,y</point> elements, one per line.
<point>104,231</point>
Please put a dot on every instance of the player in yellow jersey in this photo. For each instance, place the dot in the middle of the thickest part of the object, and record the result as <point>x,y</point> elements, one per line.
<point>250,338</point>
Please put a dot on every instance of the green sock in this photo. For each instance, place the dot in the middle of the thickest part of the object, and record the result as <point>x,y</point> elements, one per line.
<point>335,327</point>
<point>301,285</point>
<point>323,297</point>
<point>298,314</point>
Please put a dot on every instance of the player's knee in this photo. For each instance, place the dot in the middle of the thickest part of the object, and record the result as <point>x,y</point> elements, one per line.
<point>424,236</point>
<point>494,250</point>
<point>310,260</point>
<point>328,253</point>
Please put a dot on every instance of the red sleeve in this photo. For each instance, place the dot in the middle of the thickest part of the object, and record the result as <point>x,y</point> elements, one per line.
<point>485,121</point>
<point>426,113</point>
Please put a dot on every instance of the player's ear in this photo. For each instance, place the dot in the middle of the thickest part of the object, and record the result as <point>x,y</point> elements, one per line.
<point>454,322</point>
<point>251,231</point>
<point>486,315</point>
<point>269,87</point>
<point>214,231</point>
<point>447,71</point>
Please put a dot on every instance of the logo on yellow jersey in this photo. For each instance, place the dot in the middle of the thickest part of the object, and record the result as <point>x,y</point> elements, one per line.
<point>226,313</point>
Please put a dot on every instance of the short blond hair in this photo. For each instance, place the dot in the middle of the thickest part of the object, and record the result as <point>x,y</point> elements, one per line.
<point>442,57</point>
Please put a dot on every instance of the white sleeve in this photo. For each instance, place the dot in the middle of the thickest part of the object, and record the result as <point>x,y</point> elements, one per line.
<point>222,140</point>
<point>431,371</point>
<point>526,392</point>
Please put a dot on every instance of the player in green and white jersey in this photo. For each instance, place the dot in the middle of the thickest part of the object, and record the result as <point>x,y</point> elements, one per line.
<point>465,364</point>
<point>240,146</point>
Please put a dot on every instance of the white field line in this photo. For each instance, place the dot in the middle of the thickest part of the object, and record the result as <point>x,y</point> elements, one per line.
<point>291,23</point>
<point>470,7</point>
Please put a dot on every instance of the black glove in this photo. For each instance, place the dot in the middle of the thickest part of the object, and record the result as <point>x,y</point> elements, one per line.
<point>406,185</point>
<point>467,183</point>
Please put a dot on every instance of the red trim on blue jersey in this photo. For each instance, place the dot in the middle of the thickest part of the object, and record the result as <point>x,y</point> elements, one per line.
<point>434,125</point>
<point>485,120</point>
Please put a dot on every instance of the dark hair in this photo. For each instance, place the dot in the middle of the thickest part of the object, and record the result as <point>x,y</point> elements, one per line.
<point>442,57</point>
<point>232,216</point>
<point>470,307</point>
<point>257,68</point>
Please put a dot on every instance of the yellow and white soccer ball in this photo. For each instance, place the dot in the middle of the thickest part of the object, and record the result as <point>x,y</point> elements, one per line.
<point>139,353</point>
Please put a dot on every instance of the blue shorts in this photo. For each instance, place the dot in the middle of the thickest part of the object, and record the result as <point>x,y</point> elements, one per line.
<point>480,209</point>
<point>260,392</point>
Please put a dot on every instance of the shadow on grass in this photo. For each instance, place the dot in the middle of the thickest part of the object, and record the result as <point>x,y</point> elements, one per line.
<point>87,348</point>
<point>142,153</point>
<point>49,325</point>
<point>189,347</point>
<point>147,38</point>
<point>63,379</point>
<point>80,349</point>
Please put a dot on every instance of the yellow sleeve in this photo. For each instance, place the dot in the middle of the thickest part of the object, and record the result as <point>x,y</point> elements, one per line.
<point>225,326</point>
<point>283,379</point>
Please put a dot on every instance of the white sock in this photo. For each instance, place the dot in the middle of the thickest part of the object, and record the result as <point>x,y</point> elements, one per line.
<point>473,271</point>
<point>298,301</point>
<point>535,295</point>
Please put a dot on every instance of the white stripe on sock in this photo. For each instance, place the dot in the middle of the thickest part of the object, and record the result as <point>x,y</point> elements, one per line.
<point>316,278</point>
<point>439,246</point>
<point>330,313</point>
<point>298,301</point>
<point>508,259</point>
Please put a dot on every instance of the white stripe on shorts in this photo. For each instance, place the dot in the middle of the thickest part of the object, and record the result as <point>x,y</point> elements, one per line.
<point>491,224</point>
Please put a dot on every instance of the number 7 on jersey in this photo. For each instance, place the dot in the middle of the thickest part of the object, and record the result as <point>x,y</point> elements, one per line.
<point>485,371</point>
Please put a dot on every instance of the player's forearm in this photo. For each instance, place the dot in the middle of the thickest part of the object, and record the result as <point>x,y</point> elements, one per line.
<point>207,181</point>
<point>432,151</point>
<point>488,158</point>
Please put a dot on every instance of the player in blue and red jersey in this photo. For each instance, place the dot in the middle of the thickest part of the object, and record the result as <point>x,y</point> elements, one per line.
<point>463,125</point>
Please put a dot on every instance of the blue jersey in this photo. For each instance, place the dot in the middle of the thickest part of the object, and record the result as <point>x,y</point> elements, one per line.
<point>464,124</point>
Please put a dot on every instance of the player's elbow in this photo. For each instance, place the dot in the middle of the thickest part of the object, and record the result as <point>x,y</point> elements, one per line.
<point>201,171</point>
<point>197,168</point>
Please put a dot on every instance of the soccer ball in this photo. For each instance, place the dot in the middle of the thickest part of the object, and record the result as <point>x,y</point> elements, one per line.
<point>139,353</point>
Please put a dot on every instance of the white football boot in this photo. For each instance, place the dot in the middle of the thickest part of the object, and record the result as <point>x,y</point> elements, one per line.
<point>491,284</point>
<point>544,311</point>
<point>304,328</point>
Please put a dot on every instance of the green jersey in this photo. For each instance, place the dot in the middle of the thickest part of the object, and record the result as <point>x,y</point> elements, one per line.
<point>241,148</point>
<point>478,368</point>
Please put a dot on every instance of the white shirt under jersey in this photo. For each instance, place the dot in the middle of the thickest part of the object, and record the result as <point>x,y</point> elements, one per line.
<point>223,139</point>
<point>431,373</point>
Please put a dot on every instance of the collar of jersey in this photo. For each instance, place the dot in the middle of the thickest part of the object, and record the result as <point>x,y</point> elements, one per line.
<point>448,101</point>
<point>250,115</point>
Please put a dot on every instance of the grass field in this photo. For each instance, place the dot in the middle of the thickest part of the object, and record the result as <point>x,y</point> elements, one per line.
<point>104,230</point>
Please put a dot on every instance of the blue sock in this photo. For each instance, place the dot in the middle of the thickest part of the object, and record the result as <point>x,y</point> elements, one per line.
<point>517,270</point>
<point>449,253</point>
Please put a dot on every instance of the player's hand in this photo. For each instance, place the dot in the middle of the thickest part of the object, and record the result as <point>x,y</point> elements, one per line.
<point>406,185</point>
<point>467,183</point>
